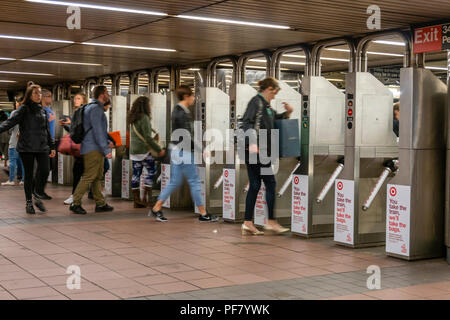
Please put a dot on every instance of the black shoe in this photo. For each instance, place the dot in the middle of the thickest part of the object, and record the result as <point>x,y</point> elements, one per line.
<point>159,216</point>
<point>77,209</point>
<point>38,203</point>
<point>42,196</point>
<point>208,218</point>
<point>105,208</point>
<point>30,208</point>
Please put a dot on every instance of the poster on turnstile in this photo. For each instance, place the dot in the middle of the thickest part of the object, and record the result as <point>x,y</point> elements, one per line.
<point>228,203</point>
<point>261,212</point>
<point>165,180</point>
<point>299,222</point>
<point>201,171</point>
<point>344,211</point>
<point>125,179</point>
<point>108,179</point>
<point>398,219</point>
<point>60,168</point>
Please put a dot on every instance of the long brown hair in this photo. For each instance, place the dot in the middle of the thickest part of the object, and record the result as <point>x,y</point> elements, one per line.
<point>85,99</point>
<point>140,107</point>
<point>29,93</point>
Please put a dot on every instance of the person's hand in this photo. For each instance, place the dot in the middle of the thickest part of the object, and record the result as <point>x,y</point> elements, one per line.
<point>288,107</point>
<point>253,148</point>
<point>162,153</point>
<point>65,122</point>
<point>52,154</point>
<point>111,145</point>
<point>109,156</point>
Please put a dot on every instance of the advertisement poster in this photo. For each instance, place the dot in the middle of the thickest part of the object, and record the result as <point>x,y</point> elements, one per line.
<point>228,204</point>
<point>201,171</point>
<point>398,219</point>
<point>343,211</point>
<point>108,179</point>
<point>125,179</point>
<point>165,179</point>
<point>261,213</point>
<point>60,168</point>
<point>299,204</point>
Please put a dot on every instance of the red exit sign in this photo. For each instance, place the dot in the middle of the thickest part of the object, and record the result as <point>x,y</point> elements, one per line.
<point>428,39</point>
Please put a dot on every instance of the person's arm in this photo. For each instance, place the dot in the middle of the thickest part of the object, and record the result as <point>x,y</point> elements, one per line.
<point>145,128</point>
<point>13,120</point>
<point>286,114</point>
<point>96,117</point>
<point>51,142</point>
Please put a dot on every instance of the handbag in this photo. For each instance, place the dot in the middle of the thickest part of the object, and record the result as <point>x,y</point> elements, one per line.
<point>68,147</point>
<point>156,138</point>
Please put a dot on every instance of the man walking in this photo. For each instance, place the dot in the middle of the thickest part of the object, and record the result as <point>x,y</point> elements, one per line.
<point>94,148</point>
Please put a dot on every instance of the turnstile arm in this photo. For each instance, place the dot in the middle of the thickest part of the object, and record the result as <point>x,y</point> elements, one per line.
<point>287,182</point>
<point>330,183</point>
<point>159,179</point>
<point>390,167</point>
<point>218,182</point>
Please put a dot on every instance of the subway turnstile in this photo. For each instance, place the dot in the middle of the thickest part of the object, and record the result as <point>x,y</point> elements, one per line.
<point>235,176</point>
<point>62,165</point>
<point>415,211</point>
<point>119,123</point>
<point>215,118</point>
<point>322,142</point>
<point>370,147</point>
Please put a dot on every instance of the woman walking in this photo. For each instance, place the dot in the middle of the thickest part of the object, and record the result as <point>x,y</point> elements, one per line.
<point>141,143</point>
<point>79,100</point>
<point>260,115</point>
<point>35,143</point>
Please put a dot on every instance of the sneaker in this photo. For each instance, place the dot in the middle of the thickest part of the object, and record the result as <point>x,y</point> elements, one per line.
<point>21,183</point>
<point>30,208</point>
<point>38,203</point>
<point>77,209</point>
<point>8,183</point>
<point>208,218</point>
<point>158,215</point>
<point>69,200</point>
<point>104,208</point>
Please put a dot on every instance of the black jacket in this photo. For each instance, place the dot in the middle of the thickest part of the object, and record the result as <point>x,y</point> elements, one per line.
<point>183,120</point>
<point>33,127</point>
<point>266,121</point>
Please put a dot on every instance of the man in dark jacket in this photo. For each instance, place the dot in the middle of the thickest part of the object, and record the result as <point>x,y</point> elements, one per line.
<point>94,148</point>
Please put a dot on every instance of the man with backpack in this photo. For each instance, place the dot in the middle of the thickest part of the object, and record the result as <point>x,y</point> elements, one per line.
<point>89,126</point>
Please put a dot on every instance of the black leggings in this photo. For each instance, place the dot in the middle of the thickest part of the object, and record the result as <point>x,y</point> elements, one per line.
<point>43,169</point>
<point>78,169</point>
<point>255,177</point>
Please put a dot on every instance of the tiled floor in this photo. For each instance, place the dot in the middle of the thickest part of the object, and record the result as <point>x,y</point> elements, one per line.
<point>126,255</point>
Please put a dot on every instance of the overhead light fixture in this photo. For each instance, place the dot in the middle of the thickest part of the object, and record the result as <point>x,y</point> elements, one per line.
<point>392,43</point>
<point>61,62</point>
<point>245,23</point>
<point>8,81</point>
<point>7,59</point>
<point>321,58</point>
<point>94,6</point>
<point>28,73</point>
<point>336,80</point>
<point>368,52</point>
<point>436,68</point>
<point>4,36</point>
<point>126,47</point>
<point>282,62</point>
<point>194,69</point>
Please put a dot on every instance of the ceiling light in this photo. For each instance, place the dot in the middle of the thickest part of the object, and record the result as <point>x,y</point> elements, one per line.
<point>126,47</point>
<point>392,43</point>
<point>282,62</point>
<point>264,25</point>
<point>61,62</point>
<point>436,68</point>
<point>194,69</point>
<point>94,6</point>
<point>8,81</point>
<point>3,36</point>
<point>321,58</point>
<point>28,73</point>
<point>336,80</point>
<point>369,52</point>
<point>8,59</point>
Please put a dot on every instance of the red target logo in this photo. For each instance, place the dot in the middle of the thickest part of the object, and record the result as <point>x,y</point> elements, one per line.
<point>340,185</point>
<point>296,180</point>
<point>393,191</point>
<point>226,174</point>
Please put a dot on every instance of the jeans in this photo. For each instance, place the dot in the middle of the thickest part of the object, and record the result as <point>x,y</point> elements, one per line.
<point>255,177</point>
<point>93,174</point>
<point>14,164</point>
<point>180,170</point>
<point>149,164</point>
<point>42,160</point>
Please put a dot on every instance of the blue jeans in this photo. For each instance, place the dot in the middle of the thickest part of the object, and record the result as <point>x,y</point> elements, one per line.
<point>15,163</point>
<point>180,170</point>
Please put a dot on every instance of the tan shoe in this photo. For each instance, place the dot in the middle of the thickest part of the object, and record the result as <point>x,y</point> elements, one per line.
<point>138,203</point>
<point>246,231</point>
<point>277,228</point>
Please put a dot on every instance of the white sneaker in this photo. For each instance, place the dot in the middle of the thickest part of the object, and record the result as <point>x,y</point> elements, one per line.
<point>21,183</point>
<point>8,183</point>
<point>69,200</point>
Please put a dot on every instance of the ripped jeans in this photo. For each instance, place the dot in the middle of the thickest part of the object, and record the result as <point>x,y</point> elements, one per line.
<point>149,164</point>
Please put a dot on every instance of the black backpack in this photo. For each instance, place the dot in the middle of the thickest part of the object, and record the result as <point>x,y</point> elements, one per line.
<point>77,132</point>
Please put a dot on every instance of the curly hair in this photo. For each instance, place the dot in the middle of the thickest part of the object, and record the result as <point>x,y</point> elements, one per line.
<point>140,107</point>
